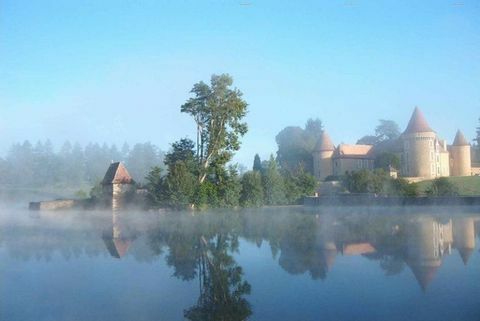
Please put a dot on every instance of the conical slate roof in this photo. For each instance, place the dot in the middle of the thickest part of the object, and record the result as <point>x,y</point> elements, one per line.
<point>324,143</point>
<point>460,140</point>
<point>417,123</point>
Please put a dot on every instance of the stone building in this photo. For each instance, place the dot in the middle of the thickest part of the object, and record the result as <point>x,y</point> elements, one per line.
<point>423,154</point>
<point>117,185</point>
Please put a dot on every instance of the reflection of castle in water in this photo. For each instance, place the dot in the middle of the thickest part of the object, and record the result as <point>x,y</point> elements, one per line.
<point>429,240</point>
<point>421,242</point>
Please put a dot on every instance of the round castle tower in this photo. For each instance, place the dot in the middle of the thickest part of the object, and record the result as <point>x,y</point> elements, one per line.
<point>419,147</point>
<point>460,154</point>
<point>322,157</point>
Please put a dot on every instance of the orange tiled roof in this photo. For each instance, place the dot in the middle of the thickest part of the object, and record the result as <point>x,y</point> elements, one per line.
<point>357,151</point>
<point>358,248</point>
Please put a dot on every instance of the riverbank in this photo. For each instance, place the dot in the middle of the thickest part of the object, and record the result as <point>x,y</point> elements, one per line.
<point>375,200</point>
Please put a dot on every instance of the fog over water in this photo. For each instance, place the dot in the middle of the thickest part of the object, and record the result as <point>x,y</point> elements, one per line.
<point>275,264</point>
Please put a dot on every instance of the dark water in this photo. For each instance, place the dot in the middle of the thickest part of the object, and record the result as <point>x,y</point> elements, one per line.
<point>289,264</point>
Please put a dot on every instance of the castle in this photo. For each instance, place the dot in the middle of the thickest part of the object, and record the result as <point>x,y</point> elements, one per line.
<point>423,155</point>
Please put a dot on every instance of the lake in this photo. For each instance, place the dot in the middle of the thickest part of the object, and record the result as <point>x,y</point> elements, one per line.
<point>270,264</point>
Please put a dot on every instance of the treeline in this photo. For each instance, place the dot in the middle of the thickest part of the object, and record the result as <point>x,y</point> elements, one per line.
<point>200,174</point>
<point>40,165</point>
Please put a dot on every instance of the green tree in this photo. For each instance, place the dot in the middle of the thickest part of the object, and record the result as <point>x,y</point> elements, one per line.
<point>298,184</point>
<point>385,160</point>
<point>273,187</point>
<point>218,111</point>
<point>155,187</point>
<point>182,151</point>
<point>179,186</point>
<point>387,129</point>
<point>368,140</point>
<point>442,187</point>
<point>295,145</point>
<point>252,190</point>
<point>257,163</point>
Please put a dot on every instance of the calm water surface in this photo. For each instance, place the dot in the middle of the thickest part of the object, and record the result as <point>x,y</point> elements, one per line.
<point>288,264</point>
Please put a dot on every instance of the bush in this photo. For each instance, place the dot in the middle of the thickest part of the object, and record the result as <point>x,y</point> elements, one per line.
<point>442,187</point>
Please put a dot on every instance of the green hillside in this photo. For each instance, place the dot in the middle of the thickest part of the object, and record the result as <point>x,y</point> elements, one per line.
<point>467,186</point>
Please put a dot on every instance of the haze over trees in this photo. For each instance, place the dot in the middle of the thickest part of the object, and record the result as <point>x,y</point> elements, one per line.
<point>72,165</point>
<point>386,130</point>
<point>296,144</point>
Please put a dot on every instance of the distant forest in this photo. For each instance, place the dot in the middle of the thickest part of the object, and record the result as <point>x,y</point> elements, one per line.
<point>40,165</point>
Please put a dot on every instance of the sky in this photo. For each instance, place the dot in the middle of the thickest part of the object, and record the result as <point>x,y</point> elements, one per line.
<point>118,71</point>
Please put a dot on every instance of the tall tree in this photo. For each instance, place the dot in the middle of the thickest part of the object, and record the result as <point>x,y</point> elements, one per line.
<point>387,129</point>
<point>273,185</point>
<point>252,190</point>
<point>296,144</point>
<point>218,111</point>
<point>257,163</point>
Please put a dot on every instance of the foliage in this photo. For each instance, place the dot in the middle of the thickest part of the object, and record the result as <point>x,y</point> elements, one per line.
<point>298,184</point>
<point>257,163</point>
<point>368,140</point>
<point>273,186</point>
<point>442,187</point>
<point>385,160</point>
<point>387,130</point>
<point>295,145</point>
<point>222,286</point>
<point>154,187</point>
<point>218,112</point>
<point>377,182</point>
<point>40,165</point>
<point>252,190</point>
<point>179,186</point>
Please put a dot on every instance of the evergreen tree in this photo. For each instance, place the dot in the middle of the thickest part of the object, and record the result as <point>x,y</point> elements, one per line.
<point>273,185</point>
<point>252,190</point>
<point>257,163</point>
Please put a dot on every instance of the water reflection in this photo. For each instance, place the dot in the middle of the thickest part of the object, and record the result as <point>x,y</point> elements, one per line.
<point>205,248</point>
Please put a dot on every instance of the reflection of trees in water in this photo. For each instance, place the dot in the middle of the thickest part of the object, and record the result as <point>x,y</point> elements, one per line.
<point>222,288</point>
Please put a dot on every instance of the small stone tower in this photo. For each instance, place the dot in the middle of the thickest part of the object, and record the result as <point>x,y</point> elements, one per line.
<point>117,185</point>
<point>460,155</point>
<point>322,157</point>
<point>419,159</point>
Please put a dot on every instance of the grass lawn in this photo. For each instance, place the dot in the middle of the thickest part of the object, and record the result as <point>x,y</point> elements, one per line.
<point>467,186</point>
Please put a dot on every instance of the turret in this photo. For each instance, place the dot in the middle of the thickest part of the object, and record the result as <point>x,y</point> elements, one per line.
<point>460,154</point>
<point>322,157</point>
<point>419,148</point>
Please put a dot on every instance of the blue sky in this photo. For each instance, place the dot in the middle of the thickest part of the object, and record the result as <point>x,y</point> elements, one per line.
<point>115,71</point>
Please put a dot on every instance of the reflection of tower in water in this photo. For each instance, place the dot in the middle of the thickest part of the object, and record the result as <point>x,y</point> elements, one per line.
<point>427,242</point>
<point>325,243</point>
<point>464,236</point>
<point>118,239</point>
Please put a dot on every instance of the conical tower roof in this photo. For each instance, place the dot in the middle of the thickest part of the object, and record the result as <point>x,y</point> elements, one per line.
<point>417,123</point>
<point>460,140</point>
<point>424,274</point>
<point>465,253</point>
<point>324,143</point>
